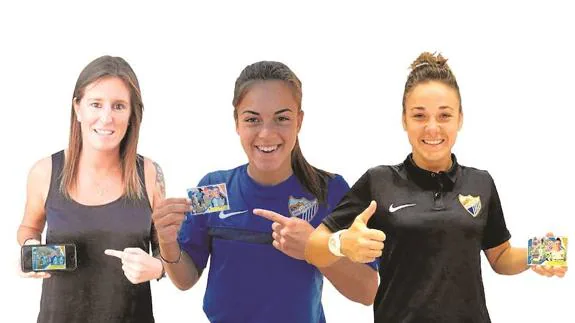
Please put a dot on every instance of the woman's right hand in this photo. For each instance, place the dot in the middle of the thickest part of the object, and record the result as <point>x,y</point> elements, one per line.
<point>30,274</point>
<point>168,217</point>
<point>360,243</point>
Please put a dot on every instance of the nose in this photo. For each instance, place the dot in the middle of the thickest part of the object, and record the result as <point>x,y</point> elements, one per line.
<point>106,114</point>
<point>266,130</point>
<point>432,126</point>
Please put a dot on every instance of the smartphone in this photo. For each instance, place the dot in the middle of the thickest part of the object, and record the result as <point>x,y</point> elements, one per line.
<point>50,258</point>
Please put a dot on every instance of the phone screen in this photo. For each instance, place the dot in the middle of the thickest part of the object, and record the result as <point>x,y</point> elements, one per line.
<point>51,257</point>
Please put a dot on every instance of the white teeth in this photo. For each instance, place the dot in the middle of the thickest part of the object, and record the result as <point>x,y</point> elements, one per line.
<point>267,149</point>
<point>433,142</point>
<point>103,131</point>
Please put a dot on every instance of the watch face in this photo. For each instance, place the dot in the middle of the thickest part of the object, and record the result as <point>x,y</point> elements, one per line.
<point>332,242</point>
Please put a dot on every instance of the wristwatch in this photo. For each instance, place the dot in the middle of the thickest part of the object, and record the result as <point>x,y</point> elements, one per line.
<point>334,243</point>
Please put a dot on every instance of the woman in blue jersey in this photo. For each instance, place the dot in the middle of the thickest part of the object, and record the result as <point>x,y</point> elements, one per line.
<point>257,272</point>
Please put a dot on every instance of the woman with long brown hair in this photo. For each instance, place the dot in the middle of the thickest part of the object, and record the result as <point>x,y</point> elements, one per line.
<point>98,194</point>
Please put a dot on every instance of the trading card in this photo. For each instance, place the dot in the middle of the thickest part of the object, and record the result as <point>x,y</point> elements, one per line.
<point>536,251</point>
<point>549,251</point>
<point>209,198</point>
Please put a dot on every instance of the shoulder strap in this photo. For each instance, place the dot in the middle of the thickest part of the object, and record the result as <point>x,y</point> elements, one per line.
<point>58,159</point>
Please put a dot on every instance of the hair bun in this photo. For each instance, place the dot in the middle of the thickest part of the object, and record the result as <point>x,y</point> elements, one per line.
<point>429,59</point>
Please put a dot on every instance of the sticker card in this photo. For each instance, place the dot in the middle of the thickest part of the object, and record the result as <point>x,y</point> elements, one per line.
<point>549,251</point>
<point>209,198</point>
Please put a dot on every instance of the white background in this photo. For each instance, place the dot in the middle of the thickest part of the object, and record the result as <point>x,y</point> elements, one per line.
<point>514,63</point>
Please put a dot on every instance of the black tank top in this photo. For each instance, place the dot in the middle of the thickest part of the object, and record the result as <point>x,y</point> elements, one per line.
<point>97,291</point>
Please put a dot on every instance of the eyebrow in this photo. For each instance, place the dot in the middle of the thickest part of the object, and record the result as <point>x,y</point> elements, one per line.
<point>100,99</point>
<point>276,113</point>
<point>443,107</point>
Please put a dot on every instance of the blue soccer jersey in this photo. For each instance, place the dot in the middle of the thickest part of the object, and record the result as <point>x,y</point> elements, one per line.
<point>249,280</point>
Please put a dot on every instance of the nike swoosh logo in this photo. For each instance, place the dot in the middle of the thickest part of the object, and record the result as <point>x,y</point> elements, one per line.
<point>227,215</point>
<point>393,209</point>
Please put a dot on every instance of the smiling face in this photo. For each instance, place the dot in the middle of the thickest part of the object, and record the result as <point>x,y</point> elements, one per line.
<point>557,245</point>
<point>104,113</point>
<point>269,120</point>
<point>432,120</point>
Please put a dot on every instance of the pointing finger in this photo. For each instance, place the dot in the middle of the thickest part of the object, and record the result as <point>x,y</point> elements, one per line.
<point>135,251</point>
<point>114,253</point>
<point>272,216</point>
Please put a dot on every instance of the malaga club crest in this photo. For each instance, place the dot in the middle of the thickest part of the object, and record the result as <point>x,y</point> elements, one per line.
<point>303,208</point>
<point>471,203</point>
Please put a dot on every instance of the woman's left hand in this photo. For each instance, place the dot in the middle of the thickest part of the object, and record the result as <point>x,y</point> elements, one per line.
<point>138,265</point>
<point>290,234</point>
<point>549,271</point>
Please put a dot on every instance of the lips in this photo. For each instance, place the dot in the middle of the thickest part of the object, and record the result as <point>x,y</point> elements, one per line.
<point>267,149</point>
<point>104,132</point>
<point>433,142</point>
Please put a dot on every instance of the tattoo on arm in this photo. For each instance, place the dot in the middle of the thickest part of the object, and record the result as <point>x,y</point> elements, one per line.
<point>160,179</point>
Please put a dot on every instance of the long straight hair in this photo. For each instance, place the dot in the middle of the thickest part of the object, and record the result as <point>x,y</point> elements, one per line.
<point>102,67</point>
<point>313,179</point>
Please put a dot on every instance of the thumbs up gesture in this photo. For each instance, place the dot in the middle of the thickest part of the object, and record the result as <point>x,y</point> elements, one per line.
<point>360,243</point>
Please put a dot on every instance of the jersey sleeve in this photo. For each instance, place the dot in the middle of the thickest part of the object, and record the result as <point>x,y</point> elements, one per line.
<point>337,189</point>
<point>495,231</point>
<point>193,236</point>
<point>350,206</point>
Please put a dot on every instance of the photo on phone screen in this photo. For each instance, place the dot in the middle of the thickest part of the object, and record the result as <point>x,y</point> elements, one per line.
<point>48,257</point>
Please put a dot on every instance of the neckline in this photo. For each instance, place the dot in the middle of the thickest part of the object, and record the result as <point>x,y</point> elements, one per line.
<point>266,191</point>
<point>443,180</point>
<point>121,197</point>
<point>73,201</point>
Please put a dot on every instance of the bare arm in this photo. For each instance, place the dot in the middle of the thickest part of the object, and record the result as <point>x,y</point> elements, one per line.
<point>156,193</point>
<point>37,188</point>
<point>183,274</point>
<point>356,281</point>
<point>168,216</point>
<point>34,220</point>
<point>506,260</point>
